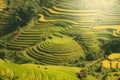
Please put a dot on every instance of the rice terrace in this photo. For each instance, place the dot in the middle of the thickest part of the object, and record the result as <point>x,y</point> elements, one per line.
<point>59,39</point>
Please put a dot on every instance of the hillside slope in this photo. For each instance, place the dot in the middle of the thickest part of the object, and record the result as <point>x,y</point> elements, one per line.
<point>10,71</point>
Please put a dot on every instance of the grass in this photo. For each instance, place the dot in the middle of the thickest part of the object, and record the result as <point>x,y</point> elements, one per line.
<point>113,76</point>
<point>89,78</point>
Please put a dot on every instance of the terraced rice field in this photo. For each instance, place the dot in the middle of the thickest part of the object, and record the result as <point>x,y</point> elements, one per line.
<point>42,19</point>
<point>30,36</point>
<point>64,12</point>
<point>111,64</point>
<point>50,36</point>
<point>5,19</point>
<point>114,56</point>
<point>97,19</point>
<point>2,5</point>
<point>42,37</point>
<point>113,61</point>
<point>115,30</point>
<point>55,50</point>
<point>37,72</point>
<point>110,17</point>
<point>113,76</point>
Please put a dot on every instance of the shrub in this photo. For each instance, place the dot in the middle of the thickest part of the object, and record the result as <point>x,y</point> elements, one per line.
<point>80,64</point>
<point>90,56</point>
<point>61,24</point>
<point>48,5</point>
<point>13,56</point>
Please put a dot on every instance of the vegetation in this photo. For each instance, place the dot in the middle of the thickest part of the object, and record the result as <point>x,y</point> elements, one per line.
<point>10,71</point>
<point>114,56</point>
<point>59,40</point>
<point>61,24</point>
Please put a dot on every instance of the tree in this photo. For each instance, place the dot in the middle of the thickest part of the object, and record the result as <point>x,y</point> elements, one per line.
<point>91,56</point>
<point>18,21</point>
<point>8,2</point>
